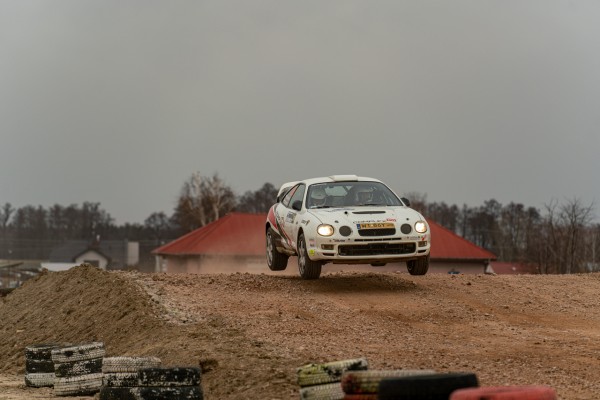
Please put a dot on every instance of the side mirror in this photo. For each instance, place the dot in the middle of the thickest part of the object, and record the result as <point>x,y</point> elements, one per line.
<point>405,201</point>
<point>297,205</point>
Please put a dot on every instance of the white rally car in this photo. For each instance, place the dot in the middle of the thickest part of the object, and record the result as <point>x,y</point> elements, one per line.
<point>344,219</point>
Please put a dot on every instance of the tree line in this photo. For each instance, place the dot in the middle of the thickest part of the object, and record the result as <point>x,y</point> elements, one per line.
<point>560,238</point>
<point>32,232</point>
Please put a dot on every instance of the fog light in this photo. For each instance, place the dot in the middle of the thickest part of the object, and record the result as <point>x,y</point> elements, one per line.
<point>327,246</point>
<point>423,243</point>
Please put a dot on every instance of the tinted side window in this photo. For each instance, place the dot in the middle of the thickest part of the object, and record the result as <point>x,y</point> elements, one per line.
<point>298,195</point>
<point>288,196</point>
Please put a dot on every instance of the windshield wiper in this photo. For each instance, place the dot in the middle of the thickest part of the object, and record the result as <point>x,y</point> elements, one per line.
<point>315,207</point>
<point>371,204</point>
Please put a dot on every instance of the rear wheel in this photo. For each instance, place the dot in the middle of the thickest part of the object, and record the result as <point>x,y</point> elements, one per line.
<point>275,260</point>
<point>308,268</point>
<point>418,266</point>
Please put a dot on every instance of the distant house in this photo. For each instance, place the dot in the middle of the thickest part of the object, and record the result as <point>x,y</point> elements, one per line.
<point>106,254</point>
<point>14,273</point>
<point>239,239</point>
<point>236,238</point>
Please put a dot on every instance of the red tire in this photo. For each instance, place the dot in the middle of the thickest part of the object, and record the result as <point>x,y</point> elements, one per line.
<point>533,392</point>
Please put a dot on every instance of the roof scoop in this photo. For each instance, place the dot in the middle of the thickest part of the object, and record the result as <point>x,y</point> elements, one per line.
<point>343,178</point>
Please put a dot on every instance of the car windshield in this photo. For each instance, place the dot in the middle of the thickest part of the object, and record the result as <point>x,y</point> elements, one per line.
<point>350,194</point>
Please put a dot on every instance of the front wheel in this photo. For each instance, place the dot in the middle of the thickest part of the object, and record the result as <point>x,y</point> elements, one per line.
<point>308,268</point>
<point>418,266</point>
<point>275,260</point>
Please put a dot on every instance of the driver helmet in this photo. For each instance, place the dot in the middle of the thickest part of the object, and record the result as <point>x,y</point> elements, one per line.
<point>317,196</point>
<point>364,195</point>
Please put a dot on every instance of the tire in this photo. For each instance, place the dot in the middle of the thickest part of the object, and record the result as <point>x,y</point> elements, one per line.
<point>308,268</point>
<point>171,393</point>
<point>367,382</point>
<point>128,364</point>
<point>41,352</point>
<point>78,385</point>
<point>319,374</point>
<point>533,392</point>
<point>78,368</point>
<point>121,379</point>
<point>275,260</point>
<point>328,391</point>
<point>425,387</point>
<point>37,367</point>
<point>152,393</point>
<point>168,377</point>
<point>418,266</point>
<point>119,393</point>
<point>38,380</point>
<point>87,351</point>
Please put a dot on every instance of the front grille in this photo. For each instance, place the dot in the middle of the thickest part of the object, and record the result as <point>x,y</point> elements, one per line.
<point>374,249</point>
<point>377,232</point>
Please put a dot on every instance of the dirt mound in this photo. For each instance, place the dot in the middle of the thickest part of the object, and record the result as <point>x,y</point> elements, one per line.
<point>250,332</point>
<point>80,305</point>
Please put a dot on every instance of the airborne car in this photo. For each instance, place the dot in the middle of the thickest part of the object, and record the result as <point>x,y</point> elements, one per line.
<point>344,219</point>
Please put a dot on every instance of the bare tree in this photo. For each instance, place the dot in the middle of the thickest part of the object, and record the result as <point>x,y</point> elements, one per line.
<point>158,223</point>
<point>259,201</point>
<point>203,200</point>
<point>564,230</point>
<point>418,201</point>
<point>5,213</point>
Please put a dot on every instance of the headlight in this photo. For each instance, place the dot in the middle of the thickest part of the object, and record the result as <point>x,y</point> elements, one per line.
<point>421,226</point>
<point>325,230</point>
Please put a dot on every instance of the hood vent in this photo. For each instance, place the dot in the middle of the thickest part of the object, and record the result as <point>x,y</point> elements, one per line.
<point>368,212</point>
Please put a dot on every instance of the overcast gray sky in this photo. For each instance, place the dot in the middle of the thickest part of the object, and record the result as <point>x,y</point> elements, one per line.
<point>119,102</point>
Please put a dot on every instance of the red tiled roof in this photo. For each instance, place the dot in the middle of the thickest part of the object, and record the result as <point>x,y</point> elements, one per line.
<point>446,245</point>
<point>234,234</point>
<point>243,234</point>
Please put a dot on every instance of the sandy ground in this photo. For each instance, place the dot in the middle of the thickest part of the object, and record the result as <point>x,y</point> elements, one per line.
<point>249,332</point>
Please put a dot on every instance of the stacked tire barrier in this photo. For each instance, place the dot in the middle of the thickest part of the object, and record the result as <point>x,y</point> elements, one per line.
<point>123,371</point>
<point>39,367</point>
<point>323,381</point>
<point>364,385</point>
<point>78,369</point>
<point>425,387</point>
<point>177,383</point>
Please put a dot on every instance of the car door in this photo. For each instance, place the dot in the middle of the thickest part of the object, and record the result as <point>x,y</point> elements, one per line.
<point>293,203</point>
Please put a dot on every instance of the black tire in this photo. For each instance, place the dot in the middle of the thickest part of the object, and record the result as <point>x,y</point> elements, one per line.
<point>418,266</point>
<point>275,260</point>
<point>87,351</point>
<point>308,268</point>
<point>38,367</point>
<point>152,393</point>
<point>120,379</point>
<point>168,377</point>
<point>367,382</point>
<point>41,352</point>
<point>425,387</point>
<point>119,393</point>
<point>78,368</point>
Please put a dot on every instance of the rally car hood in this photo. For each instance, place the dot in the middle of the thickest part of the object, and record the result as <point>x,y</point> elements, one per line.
<point>356,215</point>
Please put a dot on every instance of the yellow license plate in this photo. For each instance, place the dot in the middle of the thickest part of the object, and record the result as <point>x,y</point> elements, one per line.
<point>376,225</point>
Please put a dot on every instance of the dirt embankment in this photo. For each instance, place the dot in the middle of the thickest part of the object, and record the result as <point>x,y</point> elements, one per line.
<point>250,332</point>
